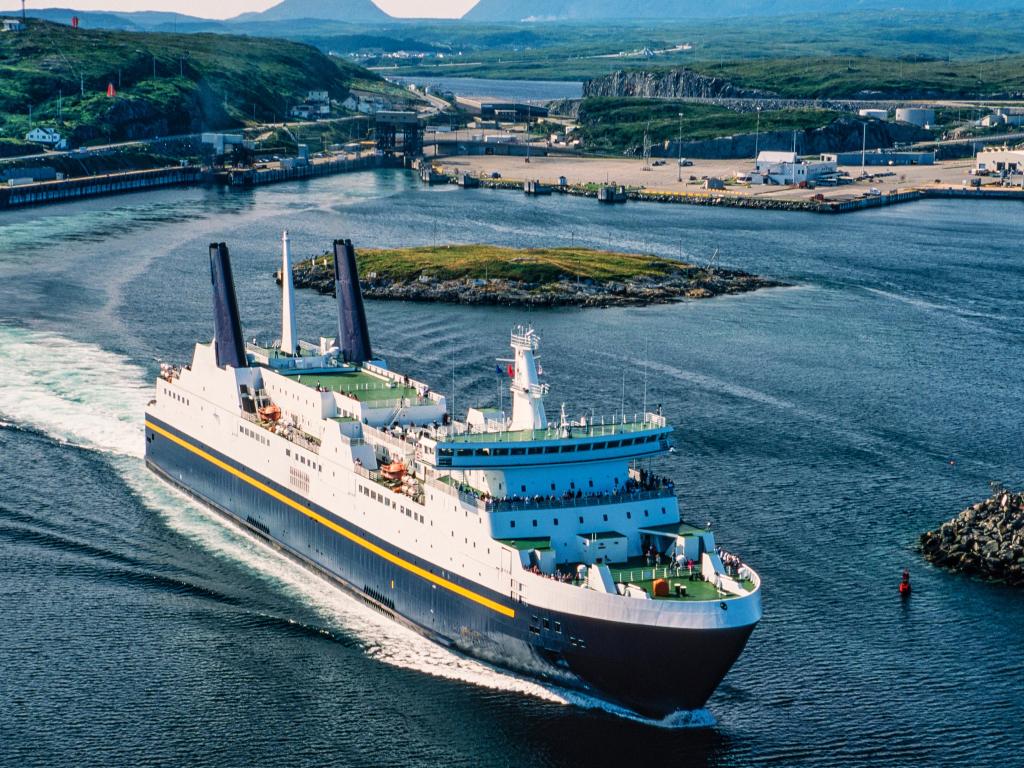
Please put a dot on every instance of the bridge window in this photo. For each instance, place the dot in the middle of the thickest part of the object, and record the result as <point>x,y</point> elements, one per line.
<point>533,451</point>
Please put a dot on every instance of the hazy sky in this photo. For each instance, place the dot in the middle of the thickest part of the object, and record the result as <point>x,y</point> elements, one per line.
<point>226,8</point>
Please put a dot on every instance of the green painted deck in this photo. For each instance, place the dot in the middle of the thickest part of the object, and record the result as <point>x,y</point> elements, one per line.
<point>526,544</point>
<point>365,386</point>
<point>638,573</point>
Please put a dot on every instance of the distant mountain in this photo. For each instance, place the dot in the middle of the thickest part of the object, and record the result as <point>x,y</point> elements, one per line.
<point>128,20</point>
<point>331,10</point>
<point>594,10</point>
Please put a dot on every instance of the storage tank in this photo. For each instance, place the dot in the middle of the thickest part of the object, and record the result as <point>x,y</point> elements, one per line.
<point>916,116</point>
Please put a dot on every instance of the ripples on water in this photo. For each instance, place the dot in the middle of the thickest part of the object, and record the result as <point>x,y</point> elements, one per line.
<point>816,429</point>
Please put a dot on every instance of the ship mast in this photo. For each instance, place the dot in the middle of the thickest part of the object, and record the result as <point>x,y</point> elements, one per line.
<point>287,299</point>
<point>527,391</point>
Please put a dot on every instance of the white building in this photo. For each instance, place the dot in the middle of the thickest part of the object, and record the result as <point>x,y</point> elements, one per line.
<point>1000,159</point>
<point>788,168</point>
<point>12,25</point>
<point>47,136</point>
<point>877,114</point>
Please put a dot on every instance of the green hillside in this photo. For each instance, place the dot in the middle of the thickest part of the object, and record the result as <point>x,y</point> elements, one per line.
<point>615,125</point>
<point>201,82</point>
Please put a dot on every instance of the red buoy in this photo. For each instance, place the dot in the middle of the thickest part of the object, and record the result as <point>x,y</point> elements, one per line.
<point>905,584</point>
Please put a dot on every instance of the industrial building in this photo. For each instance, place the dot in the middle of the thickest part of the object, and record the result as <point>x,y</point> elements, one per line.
<point>789,168</point>
<point>1000,160</point>
<point>881,157</point>
<point>919,116</point>
<point>510,112</point>
<point>877,114</point>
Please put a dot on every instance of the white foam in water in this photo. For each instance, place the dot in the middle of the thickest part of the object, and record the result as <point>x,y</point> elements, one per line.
<point>73,392</point>
<point>85,396</point>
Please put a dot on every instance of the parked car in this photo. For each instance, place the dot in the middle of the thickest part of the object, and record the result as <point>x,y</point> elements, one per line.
<point>684,163</point>
<point>495,175</point>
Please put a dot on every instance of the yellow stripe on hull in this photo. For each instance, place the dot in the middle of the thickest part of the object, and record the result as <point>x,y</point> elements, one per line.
<point>355,538</point>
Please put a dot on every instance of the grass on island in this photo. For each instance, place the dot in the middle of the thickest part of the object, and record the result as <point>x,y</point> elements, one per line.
<point>529,265</point>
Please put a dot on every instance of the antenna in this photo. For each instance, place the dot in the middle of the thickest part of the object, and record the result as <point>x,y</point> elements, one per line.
<point>647,341</point>
<point>453,386</point>
<point>622,402</point>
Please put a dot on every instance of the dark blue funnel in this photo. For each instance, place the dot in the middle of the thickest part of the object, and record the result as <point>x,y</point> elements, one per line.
<point>353,336</point>
<point>228,340</point>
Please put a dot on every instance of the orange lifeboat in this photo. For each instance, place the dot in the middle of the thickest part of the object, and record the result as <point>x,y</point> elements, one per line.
<point>269,413</point>
<point>394,471</point>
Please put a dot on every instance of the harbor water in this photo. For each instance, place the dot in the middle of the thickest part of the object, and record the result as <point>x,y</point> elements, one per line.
<point>820,427</point>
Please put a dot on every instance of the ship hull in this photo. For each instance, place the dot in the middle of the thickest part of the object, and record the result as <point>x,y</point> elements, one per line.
<point>653,671</point>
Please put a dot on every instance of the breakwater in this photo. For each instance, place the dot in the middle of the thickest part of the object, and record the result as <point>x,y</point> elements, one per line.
<point>986,539</point>
<point>252,177</point>
<point>95,186</point>
<point>740,200</point>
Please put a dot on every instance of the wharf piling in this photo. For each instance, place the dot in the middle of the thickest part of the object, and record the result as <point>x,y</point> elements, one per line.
<point>95,186</point>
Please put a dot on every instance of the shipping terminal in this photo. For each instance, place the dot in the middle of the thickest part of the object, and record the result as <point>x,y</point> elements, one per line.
<point>547,547</point>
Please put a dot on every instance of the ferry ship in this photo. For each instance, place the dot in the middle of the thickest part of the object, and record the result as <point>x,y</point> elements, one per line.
<point>544,546</point>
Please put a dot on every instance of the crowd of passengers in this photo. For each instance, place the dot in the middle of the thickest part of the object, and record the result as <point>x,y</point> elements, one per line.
<point>648,482</point>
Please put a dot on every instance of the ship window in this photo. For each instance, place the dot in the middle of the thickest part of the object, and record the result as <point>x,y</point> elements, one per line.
<point>551,449</point>
<point>512,524</point>
<point>534,523</point>
<point>613,443</point>
<point>483,452</point>
<point>568,448</point>
<point>591,483</point>
<point>605,516</point>
<point>628,441</point>
<point>558,627</point>
<point>629,515</point>
<point>584,446</point>
<point>581,518</point>
<point>534,451</point>
<point>500,452</point>
<point>572,484</point>
<point>522,488</point>
<point>552,486</point>
<point>547,623</point>
<point>646,513</point>
<point>556,521</point>
<point>599,446</point>
<point>518,451</point>
<point>464,452</point>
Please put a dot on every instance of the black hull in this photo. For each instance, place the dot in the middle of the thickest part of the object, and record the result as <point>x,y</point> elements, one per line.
<point>650,670</point>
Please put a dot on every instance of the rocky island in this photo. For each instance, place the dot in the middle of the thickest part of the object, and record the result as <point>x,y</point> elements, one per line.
<point>986,539</point>
<point>532,277</point>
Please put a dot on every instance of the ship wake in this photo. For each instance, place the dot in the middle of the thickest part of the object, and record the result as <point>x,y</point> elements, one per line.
<point>79,394</point>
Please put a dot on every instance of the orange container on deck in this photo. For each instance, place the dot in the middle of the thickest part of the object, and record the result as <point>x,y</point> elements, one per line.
<point>660,588</point>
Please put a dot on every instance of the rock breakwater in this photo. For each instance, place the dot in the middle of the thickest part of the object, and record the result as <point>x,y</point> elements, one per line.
<point>986,539</point>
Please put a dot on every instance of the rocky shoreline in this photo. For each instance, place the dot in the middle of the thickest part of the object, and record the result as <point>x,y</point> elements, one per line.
<point>986,540</point>
<point>689,282</point>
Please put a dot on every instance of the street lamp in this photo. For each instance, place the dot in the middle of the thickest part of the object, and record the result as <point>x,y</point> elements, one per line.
<point>679,143</point>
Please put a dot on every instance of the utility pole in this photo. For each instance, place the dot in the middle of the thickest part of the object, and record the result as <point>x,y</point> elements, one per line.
<point>60,106</point>
<point>23,10</point>
<point>679,142</point>
<point>81,83</point>
<point>757,136</point>
<point>864,148</point>
<point>30,117</point>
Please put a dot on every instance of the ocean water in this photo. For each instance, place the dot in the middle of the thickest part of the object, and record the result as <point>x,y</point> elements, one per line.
<point>821,427</point>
